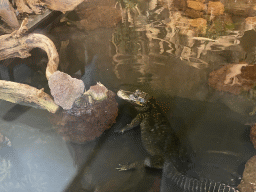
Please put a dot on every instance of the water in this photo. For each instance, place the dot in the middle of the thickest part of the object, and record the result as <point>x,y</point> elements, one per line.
<point>152,48</point>
<point>37,158</point>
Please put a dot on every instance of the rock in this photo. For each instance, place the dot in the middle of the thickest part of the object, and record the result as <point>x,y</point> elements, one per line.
<point>250,23</point>
<point>196,5</point>
<point>251,56</point>
<point>65,89</point>
<point>179,4</point>
<point>94,14</point>
<point>200,24</point>
<point>242,8</point>
<point>248,73</point>
<point>98,92</point>
<point>88,118</point>
<point>253,135</point>
<point>248,182</point>
<point>215,8</point>
<point>193,13</point>
<point>231,78</point>
<point>99,16</point>
<point>248,41</point>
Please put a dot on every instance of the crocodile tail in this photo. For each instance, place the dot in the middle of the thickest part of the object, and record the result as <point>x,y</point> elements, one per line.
<point>190,184</point>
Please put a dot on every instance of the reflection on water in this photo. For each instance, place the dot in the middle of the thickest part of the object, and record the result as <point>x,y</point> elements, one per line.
<point>165,49</point>
<point>167,53</point>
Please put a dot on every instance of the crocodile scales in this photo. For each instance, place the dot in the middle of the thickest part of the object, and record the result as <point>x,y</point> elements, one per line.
<point>161,142</point>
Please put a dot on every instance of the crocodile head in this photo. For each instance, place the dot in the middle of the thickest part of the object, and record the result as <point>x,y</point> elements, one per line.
<point>137,97</point>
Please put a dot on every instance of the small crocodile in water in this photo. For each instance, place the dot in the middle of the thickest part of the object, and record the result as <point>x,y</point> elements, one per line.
<point>160,141</point>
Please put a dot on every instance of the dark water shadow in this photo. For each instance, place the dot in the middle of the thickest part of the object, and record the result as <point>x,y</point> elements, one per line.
<point>15,112</point>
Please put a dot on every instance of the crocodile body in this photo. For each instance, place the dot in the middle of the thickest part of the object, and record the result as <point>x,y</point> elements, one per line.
<point>160,141</point>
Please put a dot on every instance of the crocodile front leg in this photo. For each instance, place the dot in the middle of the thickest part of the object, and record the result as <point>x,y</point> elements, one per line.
<point>129,166</point>
<point>150,161</point>
<point>135,122</point>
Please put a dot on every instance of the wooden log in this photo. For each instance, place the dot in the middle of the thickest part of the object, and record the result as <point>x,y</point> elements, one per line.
<point>17,44</point>
<point>62,5</point>
<point>26,95</point>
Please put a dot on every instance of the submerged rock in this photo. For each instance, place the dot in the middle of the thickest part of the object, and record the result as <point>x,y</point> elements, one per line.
<point>215,8</point>
<point>193,13</point>
<point>241,8</point>
<point>233,78</point>
<point>97,14</point>
<point>103,16</point>
<point>199,24</point>
<point>89,116</point>
<point>196,5</point>
<point>250,23</point>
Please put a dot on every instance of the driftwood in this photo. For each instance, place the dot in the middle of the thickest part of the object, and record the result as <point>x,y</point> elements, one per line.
<point>26,95</point>
<point>17,44</point>
<point>7,14</point>
<point>28,6</point>
<point>62,5</point>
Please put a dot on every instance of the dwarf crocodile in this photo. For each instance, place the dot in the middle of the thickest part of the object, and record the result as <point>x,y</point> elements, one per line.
<point>161,142</point>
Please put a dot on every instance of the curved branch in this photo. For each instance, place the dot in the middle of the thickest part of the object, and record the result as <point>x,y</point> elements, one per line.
<point>41,41</point>
<point>16,45</point>
<point>26,95</point>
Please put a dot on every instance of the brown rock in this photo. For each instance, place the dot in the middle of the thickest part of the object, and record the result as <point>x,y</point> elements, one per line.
<point>215,8</point>
<point>193,13</point>
<point>98,92</point>
<point>65,89</point>
<point>179,4</point>
<point>244,8</point>
<point>87,119</point>
<point>99,16</point>
<point>200,24</point>
<point>230,79</point>
<point>196,5</point>
<point>248,182</point>
<point>250,23</point>
<point>253,135</point>
<point>248,73</point>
